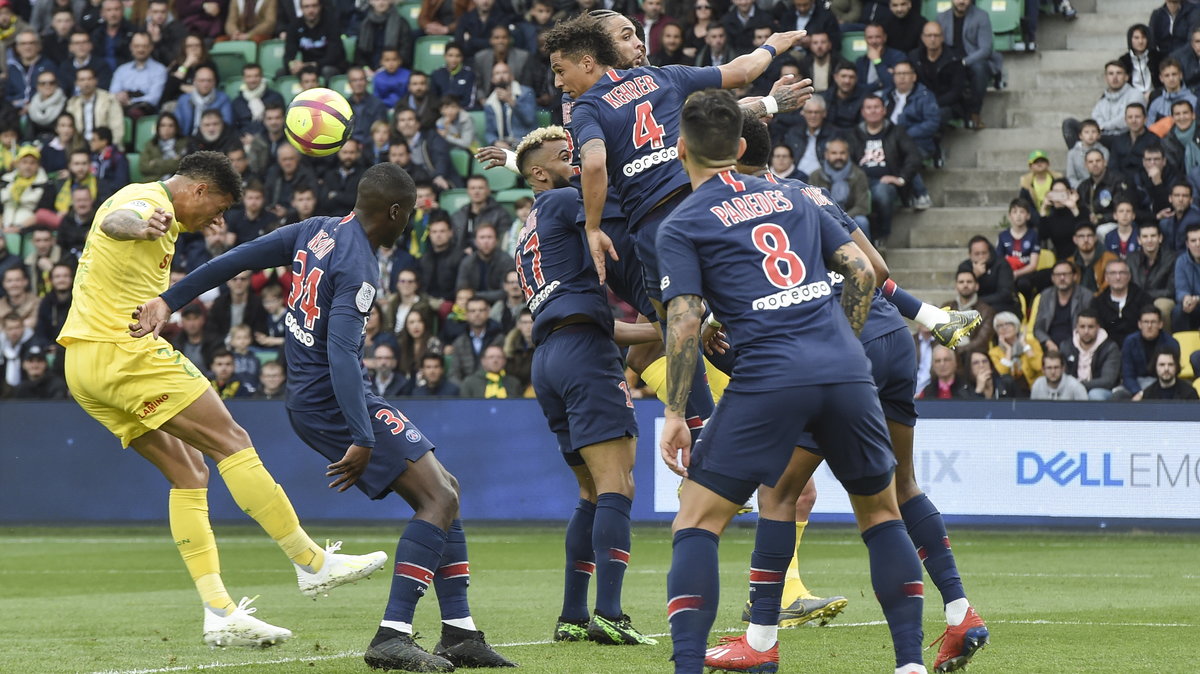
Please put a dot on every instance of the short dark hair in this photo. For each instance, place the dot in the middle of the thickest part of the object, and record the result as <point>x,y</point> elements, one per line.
<point>477,298</point>
<point>192,310</point>
<point>1194,227</point>
<point>387,183</point>
<point>1184,184</point>
<point>255,185</point>
<point>13,317</point>
<point>20,270</point>
<point>210,113</point>
<point>1021,202</point>
<point>455,45</point>
<point>1180,102</point>
<point>1090,122</point>
<point>1088,313</point>
<point>1053,355</point>
<point>215,169</point>
<point>711,122</point>
<point>845,65</point>
<point>251,66</point>
<point>1139,106</point>
<point>1084,224</point>
<point>1149,224</point>
<point>1112,63</point>
<point>758,141</point>
<point>430,355</point>
<point>1170,62</point>
<point>1150,309</point>
<point>1166,350</point>
<point>582,36</point>
<point>274,105</point>
<point>103,133</point>
<point>220,353</point>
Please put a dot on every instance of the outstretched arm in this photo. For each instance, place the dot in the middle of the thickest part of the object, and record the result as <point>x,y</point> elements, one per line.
<point>849,261</point>
<point>745,69</point>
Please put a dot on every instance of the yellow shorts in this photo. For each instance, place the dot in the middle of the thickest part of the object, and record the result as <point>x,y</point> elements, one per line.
<point>132,387</point>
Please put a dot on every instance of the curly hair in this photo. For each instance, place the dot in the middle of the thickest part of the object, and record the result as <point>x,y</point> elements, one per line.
<point>215,169</point>
<point>534,142</point>
<point>758,141</point>
<point>581,36</point>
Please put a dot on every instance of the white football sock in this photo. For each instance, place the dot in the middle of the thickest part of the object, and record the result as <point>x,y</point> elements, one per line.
<point>461,623</point>
<point>762,637</point>
<point>930,315</point>
<point>956,611</point>
<point>406,628</point>
<point>912,668</point>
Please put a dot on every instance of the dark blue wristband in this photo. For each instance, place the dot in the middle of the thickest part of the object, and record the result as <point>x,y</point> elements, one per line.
<point>770,50</point>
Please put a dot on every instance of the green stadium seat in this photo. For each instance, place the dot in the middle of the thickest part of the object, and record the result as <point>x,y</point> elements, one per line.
<point>24,125</point>
<point>500,179</point>
<point>266,356</point>
<point>931,8</point>
<point>427,54</point>
<point>129,133</point>
<point>248,49</point>
<point>228,65</point>
<point>288,87</point>
<point>340,84</point>
<point>1005,14</point>
<point>410,11</point>
<point>853,45</point>
<point>232,87</point>
<point>544,118</point>
<point>510,196</point>
<point>135,167</point>
<point>14,243</point>
<point>1005,42</point>
<point>349,42</point>
<point>480,120</point>
<point>462,161</point>
<point>452,200</point>
<point>144,130</point>
<point>270,56</point>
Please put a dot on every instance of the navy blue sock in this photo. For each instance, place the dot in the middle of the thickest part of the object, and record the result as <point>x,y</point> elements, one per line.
<point>699,403</point>
<point>928,534</point>
<point>774,543</point>
<point>581,562</point>
<point>896,577</point>
<point>453,575</point>
<point>693,594</point>
<point>906,303</point>
<point>417,556</point>
<point>610,540</point>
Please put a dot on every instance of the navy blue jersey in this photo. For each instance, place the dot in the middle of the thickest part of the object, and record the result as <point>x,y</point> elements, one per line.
<point>755,251</point>
<point>884,317</point>
<point>333,273</point>
<point>612,205</point>
<point>636,113</point>
<point>555,267</point>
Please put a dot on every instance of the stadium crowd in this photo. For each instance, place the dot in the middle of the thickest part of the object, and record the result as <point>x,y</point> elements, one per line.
<point>99,94</point>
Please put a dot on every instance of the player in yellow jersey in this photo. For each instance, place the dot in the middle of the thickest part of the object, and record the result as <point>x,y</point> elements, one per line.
<point>155,400</point>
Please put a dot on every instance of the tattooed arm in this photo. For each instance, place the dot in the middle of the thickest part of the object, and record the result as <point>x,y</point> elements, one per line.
<point>859,286</point>
<point>789,95</point>
<point>683,344</point>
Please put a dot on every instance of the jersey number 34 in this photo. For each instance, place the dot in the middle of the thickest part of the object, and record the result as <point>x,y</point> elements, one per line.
<point>304,290</point>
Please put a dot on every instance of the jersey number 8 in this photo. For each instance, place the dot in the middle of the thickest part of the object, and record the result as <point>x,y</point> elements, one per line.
<point>783,267</point>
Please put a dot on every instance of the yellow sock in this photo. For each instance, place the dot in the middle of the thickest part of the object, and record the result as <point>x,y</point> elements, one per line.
<point>655,376</point>
<point>717,381</point>
<point>187,510</point>
<point>260,497</point>
<point>793,587</point>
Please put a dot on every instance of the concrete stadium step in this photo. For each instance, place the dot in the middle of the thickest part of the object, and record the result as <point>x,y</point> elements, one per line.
<point>974,178</point>
<point>914,233</point>
<point>1057,59</point>
<point>968,219</point>
<point>1069,79</point>
<point>922,277</point>
<point>1044,119</point>
<point>998,197</point>
<point>932,259</point>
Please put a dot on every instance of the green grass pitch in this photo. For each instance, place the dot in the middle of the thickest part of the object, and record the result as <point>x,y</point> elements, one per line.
<point>117,599</point>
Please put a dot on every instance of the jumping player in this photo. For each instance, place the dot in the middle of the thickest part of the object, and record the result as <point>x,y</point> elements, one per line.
<point>372,444</point>
<point>155,400</point>
<point>757,253</point>
<point>893,366</point>
<point>580,385</point>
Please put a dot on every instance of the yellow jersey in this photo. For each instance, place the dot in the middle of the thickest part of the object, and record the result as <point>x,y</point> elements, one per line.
<point>114,277</point>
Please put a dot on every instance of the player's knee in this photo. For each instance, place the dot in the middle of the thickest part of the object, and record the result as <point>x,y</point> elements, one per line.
<point>804,504</point>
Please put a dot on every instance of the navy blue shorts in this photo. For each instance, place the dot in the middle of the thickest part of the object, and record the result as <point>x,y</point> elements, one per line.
<point>625,276</point>
<point>645,237</point>
<point>397,442</point>
<point>894,366</point>
<point>579,379</point>
<point>751,437</point>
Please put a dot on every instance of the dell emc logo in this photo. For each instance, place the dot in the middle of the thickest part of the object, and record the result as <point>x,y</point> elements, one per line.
<point>1032,468</point>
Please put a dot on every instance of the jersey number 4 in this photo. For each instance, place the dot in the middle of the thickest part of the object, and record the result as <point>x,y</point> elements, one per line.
<point>304,290</point>
<point>784,268</point>
<point>530,247</point>
<point>645,128</point>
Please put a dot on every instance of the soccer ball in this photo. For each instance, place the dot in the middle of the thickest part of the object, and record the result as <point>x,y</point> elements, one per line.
<point>318,122</point>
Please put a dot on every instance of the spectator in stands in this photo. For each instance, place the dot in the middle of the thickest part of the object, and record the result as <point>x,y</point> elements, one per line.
<point>454,78</point>
<point>844,101</point>
<point>914,108</point>
<point>15,337</point>
<point>943,73</point>
<point>65,141</point>
<point>376,334</point>
<point>18,298</point>
<point>304,205</point>
<point>439,264</point>
<point>56,32</point>
<point>847,183</point>
<point>480,333</point>
<point>399,155</point>
<point>227,383</point>
<point>8,260</point>
<point>783,163</point>
<point>339,185</point>
<point>54,305</point>
<point>74,227</point>
<point>108,162</point>
<point>193,341</point>
<point>695,28</point>
<point>245,363</point>
<point>238,306</point>
<point>81,48</point>
<point>480,209</point>
<point>393,82</point>
<point>475,27</point>
<point>1101,190</point>
<point>1036,184</point>
<point>1122,240</point>
<point>985,382</point>
<point>408,297</point>
<point>214,135</point>
<point>491,379</point>
<point>1109,111</point>
<point>509,109</point>
<point>415,339</point>
<point>252,20</point>
<point>1092,357</point>
<point>46,105</point>
<point>506,309</point>
<point>385,380</point>
<point>874,68</point>
<point>1127,148</point>
<point>1153,180</point>
<point>1187,283</point>
<point>254,96</point>
<point>248,220</point>
<point>272,135</point>
<point>1188,56</point>
<point>1058,307</point>
<point>518,350</point>
<point>945,384</point>
<point>93,107</point>
<point>1118,305</point>
<point>380,148</point>
<point>161,154</point>
<point>1167,386</point>
<point>1169,25</point>
<point>39,383</point>
<point>1139,349</point>
<point>1170,73</point>
<point>314,41</point>
<point>1182,142</point>
<point>367,108</point>
<point>273,379</point>
<point>485,268</point>
<point>24,66</point>
<point>284,177</point>
<point>429,150</point>
<point>811,16</point>
<point>501,51</point>
<point>433,378</point>
<point>21,190</point>
<point>1182,214</point>
<point>966,288</point>
<point>716,51</point>
<point>455,125</point>
<point>982,62</point>
<point>996,287</point>
<point>808,141</point>
<point>1015,353</point>
<point>1055,384</point>
<point>138,84</point>
<point>42,257</point>
<point>820,62</point>
<point>1141,60</point>
<point>1089,139</point>
<point>1090,260</point>
<point>382,28</point>
<point>204,97</point>
<point>891,161</point>
<point>418,98</point>
<point>671,48</point>
<point>1021,248</point>
<point>1152,268</point>
<point>740,22</point>
<point>113,35</point>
